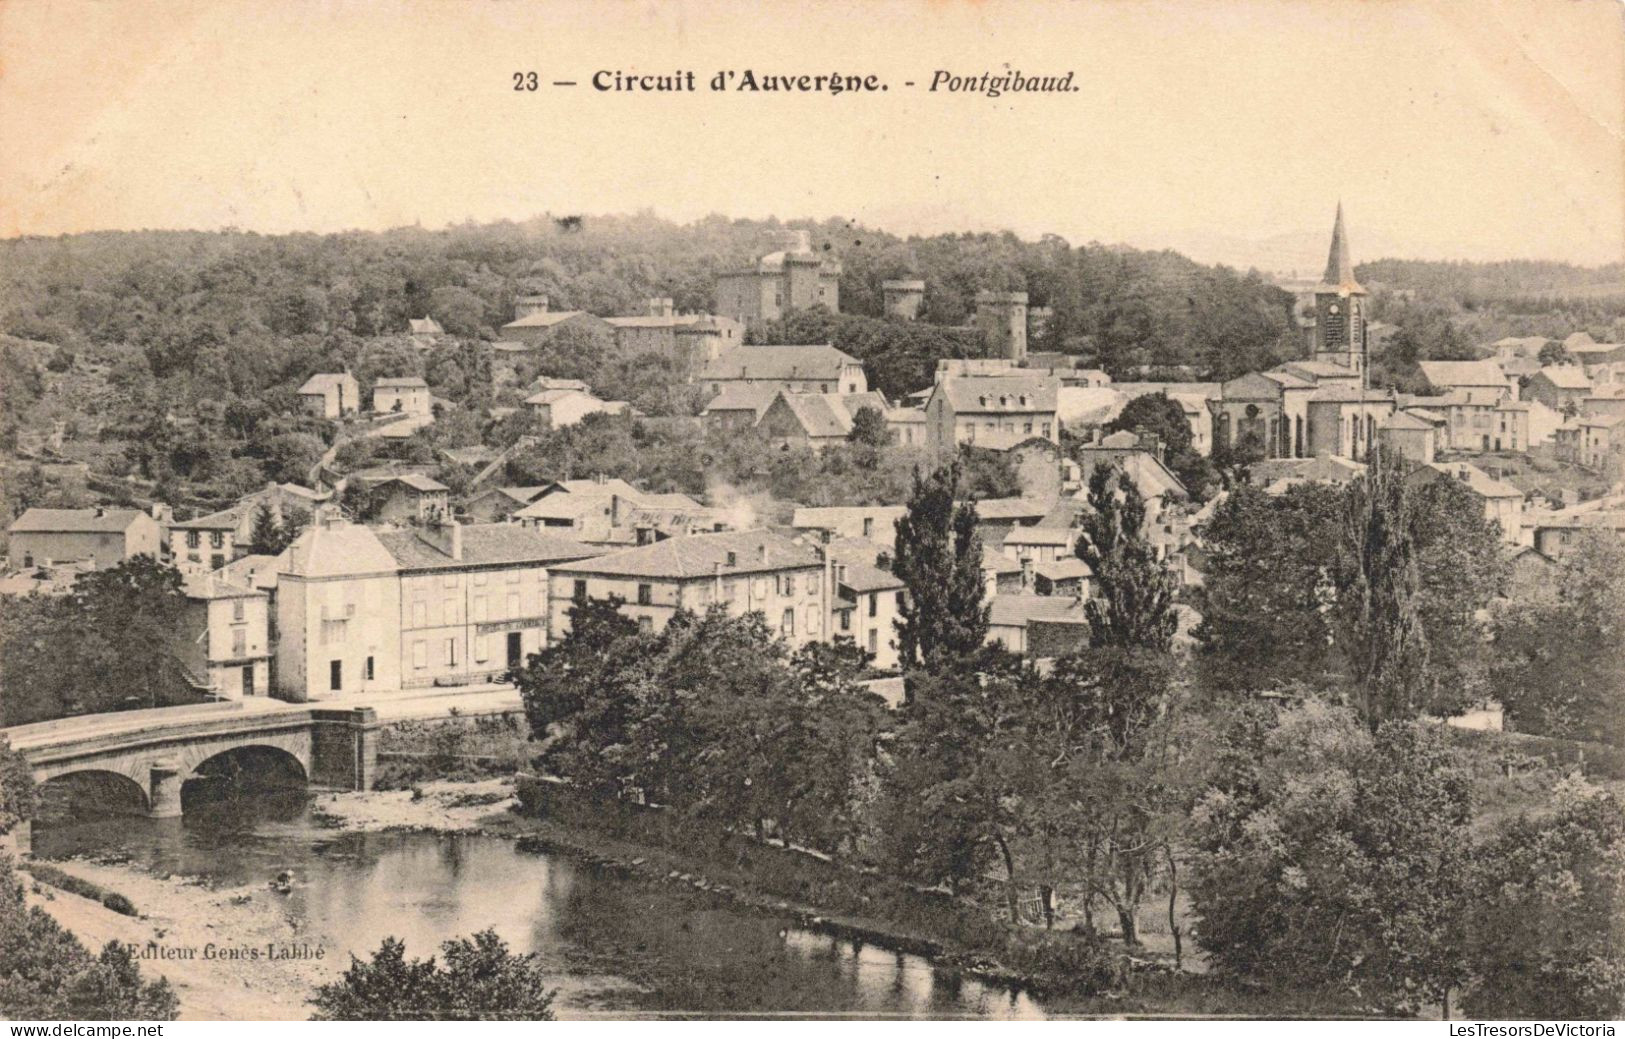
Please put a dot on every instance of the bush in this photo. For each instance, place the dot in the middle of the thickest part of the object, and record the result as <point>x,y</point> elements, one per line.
<point>118,903</point>
<point>481,981</point>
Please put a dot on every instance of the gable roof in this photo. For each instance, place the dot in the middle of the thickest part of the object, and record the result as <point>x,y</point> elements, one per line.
<point>742,396</point>
<point>1566,377</point>
<point>1462,373</point>
<point>1471,476</point>
<point>226,519</point>
<point>701,556</point>
<point>425,326</point>
<point>484,544</point>
<point>1405,420</point>
<point>75,521</point>
<point>994,394</point>
<point>1017,611</point>
<point>401,382</point>
<point>778,363</point>
<point>861,577</point>
<point>818,414</point>
<point>417,482</point>
<point>545,318</point>
<point>554,396</point>
<point>323,382</point>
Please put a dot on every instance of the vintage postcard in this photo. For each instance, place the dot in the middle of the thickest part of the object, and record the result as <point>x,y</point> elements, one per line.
<point>996,510</point>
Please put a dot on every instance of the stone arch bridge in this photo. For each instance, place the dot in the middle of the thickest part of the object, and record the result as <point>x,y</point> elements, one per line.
<point>159,750</point>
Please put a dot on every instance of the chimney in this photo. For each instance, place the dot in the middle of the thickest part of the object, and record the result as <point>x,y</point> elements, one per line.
<point>1026,571</point>
<point>761,552</point>
<point>100,512</point>
<point>615,510</point>
<point>524,306</point>
<point>660,306</point>
<point>445,536</point>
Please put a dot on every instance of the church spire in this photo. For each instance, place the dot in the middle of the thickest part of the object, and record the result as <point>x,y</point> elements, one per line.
<point>1339,268</point>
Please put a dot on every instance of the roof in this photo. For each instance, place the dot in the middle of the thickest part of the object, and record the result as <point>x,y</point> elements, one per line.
<point>1462,373</point>
<point>1000,393</point>
<point>554,396</point>
<point>1471,476</point>
<point>403,382</point>
<point>336,548</point>
<point>778,363</point>
<point>705,555</point>
<point>743,396</point>
<point>1066,568</point>
<point>75,521</point>
<point>476,454</point>
<point>832,516</point>
<point>226,519</point>
<point>425,326</point>
<point>863,578</point>
<point>615,485</point>
<point>484,544</point>
<point>1060,537</point>
<point>324,382</point>
<point>1339,274</point>
<point>544,318</point>
<point>1016,611</point>
<point>1120,439</point>
<point>215,586</point>
<point>418,482</point>
<point>1287,380</point>
<point>1151,477</point>
<point>1566,377</point>
<point>1405,420</point>
<point>1321,369</point>
<point>818,414</point>
<point>1344,394</point>
<point>1582,349</point>
<point>1009,509</point>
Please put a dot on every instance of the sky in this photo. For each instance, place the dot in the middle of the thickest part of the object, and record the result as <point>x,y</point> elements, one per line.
<point>1230,129</point>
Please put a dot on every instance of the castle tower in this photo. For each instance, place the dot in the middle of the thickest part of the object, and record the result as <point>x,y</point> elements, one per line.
<point>1340,302</point>
<point>1002,317</point>
<point>525,306</point>
<point>903,298</point>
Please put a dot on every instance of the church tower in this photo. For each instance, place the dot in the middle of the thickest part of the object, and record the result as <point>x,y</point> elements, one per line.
<point>1340,307</point>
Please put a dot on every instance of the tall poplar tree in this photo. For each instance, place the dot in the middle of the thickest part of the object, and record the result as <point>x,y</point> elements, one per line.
<point>938,556</point>
<point>1134,604</point>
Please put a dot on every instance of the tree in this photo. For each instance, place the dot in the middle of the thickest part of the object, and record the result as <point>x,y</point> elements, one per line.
<point>869,428</point>
<point>1548,908</point>
<point>1134,606</point>
<point>17,794</point>
<point>1158,414</point>
<point>1335,860</point>
<point>50,975</point>
<point>1552,353</point>
<point>1378,622</point>
<point>1267,590</point>
<point>1557,669</point>
<point>267,532</point>
<point>480,981</point>
<point>938,555</point>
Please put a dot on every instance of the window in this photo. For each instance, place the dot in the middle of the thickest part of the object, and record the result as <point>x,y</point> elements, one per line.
<point>814,622</point>
<point>579,593</point>
<point>238,609</point>
<point>513,604</point>
<point>868,526</point>
<point>420,655</point>
<point>239,642</point>
<point>449,611</point>
<point>874,604</point>
<point>788,625</point>
<point>420,614</point>
<point>874,640</point>
<point>646,595</point>
<point>646,625</point>
<point>334,631</point>
<point>451,652</point>
<point>217,539</point>
<point>846,620</point>
<point>482,648</point>
<point>369,672</point>
<point>1043,429</point>
<point>194,539</point>
<point>1026,427</point>
<point>217,561</point>
<point>479,608</point>
<point>812,584</point>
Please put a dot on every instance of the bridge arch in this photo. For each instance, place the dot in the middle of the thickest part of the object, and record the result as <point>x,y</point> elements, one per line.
<point>116,785</point>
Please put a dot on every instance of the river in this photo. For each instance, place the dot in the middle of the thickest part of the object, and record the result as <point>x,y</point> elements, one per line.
<point>617,947</point>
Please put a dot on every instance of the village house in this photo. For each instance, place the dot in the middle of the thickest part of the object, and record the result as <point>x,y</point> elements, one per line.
<point>96,538</point>
<point>1066,576</point>
<point>690,340</point>
<point>473,598</point>
<point>778,283</point>
<point>223,644</point>
<point>1589,353</point>
<point>556,409</point>
<point>1036,626</point>
<point>1039,544</point>
<point>1606,401</point>
<point>739,406</point>
<point>906,426</point>
<point>534,324</point>
<point>783,578</point>
<point>607,512</point>
<point>1410,435</point>
<point>359,609</point>
<point>410,498</point>
<point>1591,440</point>
<point>814,420</point>
<point>496,504</point>
<point>207,543</point>
<point>867,607</point>
<point>1560,387</point>
<point>797,369</point>
<point>1503,503</point>
<point>1483,378</point>
<point>992,412</point>
<point>406,395</point>
<point>1474,419</point>
<point>331,395</point>
<point>872,523</point>
<point>1559,536</point>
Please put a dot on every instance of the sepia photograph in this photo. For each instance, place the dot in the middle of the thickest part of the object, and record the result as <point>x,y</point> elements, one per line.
<point>846,510</point>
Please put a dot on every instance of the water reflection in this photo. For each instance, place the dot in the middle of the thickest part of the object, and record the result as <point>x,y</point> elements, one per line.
<point>618,947</point>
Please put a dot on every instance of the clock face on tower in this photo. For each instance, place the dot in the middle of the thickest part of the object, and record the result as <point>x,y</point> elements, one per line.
<point>1334,309</point>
